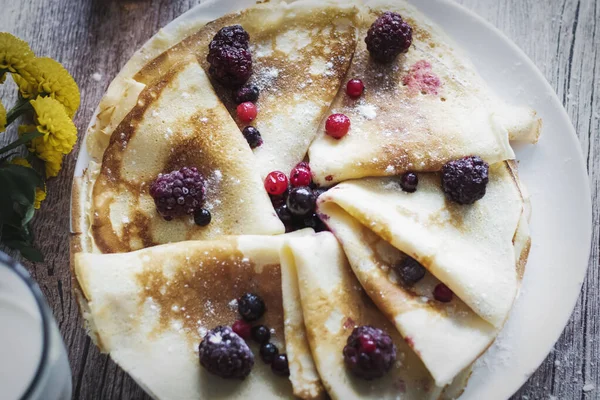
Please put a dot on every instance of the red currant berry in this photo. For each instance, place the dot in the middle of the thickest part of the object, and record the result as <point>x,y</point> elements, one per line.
<point>242,328</point>
<point>300,175</point>
<point>276,183</point>
<point>367,343</point>
<point>442,293</point>
<point>337,125</point>
<point>246,111</point>
<point>355,87</point>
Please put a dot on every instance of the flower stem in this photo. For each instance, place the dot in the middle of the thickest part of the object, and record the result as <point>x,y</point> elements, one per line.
<point>25,138</point>
<point>21,107</point>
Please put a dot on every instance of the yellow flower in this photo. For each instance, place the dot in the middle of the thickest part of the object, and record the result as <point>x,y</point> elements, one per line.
<point>52,162</point>
<point>40,194</point>
<point>15,56</point>
<point>2,118</point>
<point>59,132</point>
<point>50,78</point>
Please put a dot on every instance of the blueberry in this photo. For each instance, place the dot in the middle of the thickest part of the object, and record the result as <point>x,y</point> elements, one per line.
<point>268,352</point>
<point>246,93</point>
<point>409,270</point>
<point>202,217</point>
<point>251,307</point>
<point>261,334</point>
<point>301,200</point>
<point>252,136</point>
<point>280,366</point>
<point>409,182</point>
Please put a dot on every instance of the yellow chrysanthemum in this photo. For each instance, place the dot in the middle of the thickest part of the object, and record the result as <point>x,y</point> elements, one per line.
<point>50,78</point>
<point>52,162</point>
<point>15,56</point>
<point>59,132</point>
<point>40,194</point>
<point>2,118</point>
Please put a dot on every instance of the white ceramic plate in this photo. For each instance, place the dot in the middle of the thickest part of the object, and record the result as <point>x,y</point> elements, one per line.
<point>561,220</point>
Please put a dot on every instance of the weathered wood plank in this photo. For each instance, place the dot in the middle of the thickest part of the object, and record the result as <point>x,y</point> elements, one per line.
<point>562,37</point>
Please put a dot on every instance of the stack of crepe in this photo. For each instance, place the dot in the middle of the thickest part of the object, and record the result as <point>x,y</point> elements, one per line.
<point>149,289</point>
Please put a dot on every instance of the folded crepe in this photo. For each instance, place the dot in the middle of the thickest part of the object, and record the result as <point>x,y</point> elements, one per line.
<point>177,121</point>
<point>427,107</point>
<point>479,251</point>
<point>300,50</point>
<point>149,310</point>
<point>334,303</point>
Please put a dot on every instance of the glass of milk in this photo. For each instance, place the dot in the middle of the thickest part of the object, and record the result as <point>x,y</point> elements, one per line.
<point>33,360</point>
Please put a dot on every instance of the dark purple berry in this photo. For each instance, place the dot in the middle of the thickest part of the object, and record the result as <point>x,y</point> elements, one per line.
<point>301,201</point>
<point>369,352</point>
<point>252,136</point>
<point>284,214</point>
<point>409,270</point>
<point>388,36</point>
<point>178,193</point>
<point>409,182</point>
<point>246,93</point>
<point>226,354</point>
<point>251,307</point>
<point>202,217</point>
<point>464,181</point>
<point>280,366</point>
<point>443,293</point>
<point>261,334</point>
<point>313,221</point>
<point>233,35</point>
<point>268,352</point>
<point>231,66</point>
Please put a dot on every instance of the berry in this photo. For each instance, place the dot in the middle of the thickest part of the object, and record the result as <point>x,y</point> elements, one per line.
<point>251,307</point>
<point>409,270</point>
<point>261,334</point>
<point>246,93</point>
<point>369,352</point>
<point>337,125</point>
<point>224,353</point>
<point>280,366</point>
<point>388,36</point>
<point>313,221</point>
<point>355,88</point>
<point>268,352</point>
<point>242,328</point>
<point>442,293</point>
<point>464,180</point>
<point>301,201</point>
<point>276,183</point>
<point>409,182</point>
<point>233,35</point>
<point>252,136</point>
<point>202,217</point>
<point>246,111</point>
<point>319,191</point>
<point>178,193</point>
<point>300,175</point>
<point>229,65</point>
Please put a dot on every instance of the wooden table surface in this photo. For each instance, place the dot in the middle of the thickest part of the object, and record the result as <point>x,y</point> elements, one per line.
<point>93,37</point>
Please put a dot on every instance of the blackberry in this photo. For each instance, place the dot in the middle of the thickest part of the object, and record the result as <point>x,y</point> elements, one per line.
<point>388,36</point>
<point>261,334</point>
<point>246,93</point>
<point>268,352</point>
<point>252,136</point>
<point>464,180</point>
<point>231,66</point>
<point>409,270</point>
<point>202,217</point>
<point>409,182</point>
<point>369,352</point>
<point>301,201</point>
<point>225,354</point>
<point>178,193</point>
<point>233,35</point>
<point>251,307</point>
<point>280,366</point>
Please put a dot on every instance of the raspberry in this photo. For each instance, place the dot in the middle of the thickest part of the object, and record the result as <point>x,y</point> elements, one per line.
<point>246,93</point>
<point>233,35</point>
<point>276,183</point>
<point>442,293</point>
<point>301,201</point>
<point>369,352</point>
<point>242,328</point>
<point>251,307</point>
<point>409,270</point>
<point>337,125</point>
<point>231,66</point>
<point>388,36</point>
<point>252,136</point>
<point>409,182</point>
<point>178,193</point>
<point>224,353</point>
<point>464,181</point>
<point>202,217</point>
<point>300,175</point>
<point>246,111</point>
<point>355,88</point>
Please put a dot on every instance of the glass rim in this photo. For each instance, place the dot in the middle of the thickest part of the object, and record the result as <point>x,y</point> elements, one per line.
<point>21,272</point>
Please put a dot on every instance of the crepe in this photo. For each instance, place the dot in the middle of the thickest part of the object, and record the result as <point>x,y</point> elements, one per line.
<point>469,248</point>
<point>333,304</point>
<point>149,309</point>
<point>402,124</point>
<point>178,121</point>
<point>300,51</point>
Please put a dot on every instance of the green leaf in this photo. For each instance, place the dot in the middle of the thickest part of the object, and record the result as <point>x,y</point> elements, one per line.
<point>18,197</point>
<point>25,138</point>
<point>21,239</point>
